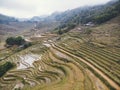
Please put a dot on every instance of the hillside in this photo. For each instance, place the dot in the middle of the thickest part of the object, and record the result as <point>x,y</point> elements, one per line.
<point>105,35</point>
<point>64,21</point>
<point>77,49</point>
<point>6,19</point>
<point>9,26</point>
<point>65,62</point>
<point>83,15</point>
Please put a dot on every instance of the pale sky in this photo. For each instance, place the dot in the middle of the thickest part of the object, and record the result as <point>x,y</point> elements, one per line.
<point>30,8</point>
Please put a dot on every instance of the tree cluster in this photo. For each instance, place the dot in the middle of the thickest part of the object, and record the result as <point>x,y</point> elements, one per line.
<point>5,67</point>
<point>15,41</point>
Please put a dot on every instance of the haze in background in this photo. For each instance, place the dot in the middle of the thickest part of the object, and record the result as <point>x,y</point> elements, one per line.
<point>30,8</point>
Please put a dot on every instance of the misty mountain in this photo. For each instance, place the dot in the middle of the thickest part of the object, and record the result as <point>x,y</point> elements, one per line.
<point>96,14</point>
<point>6,19</point>
<point>12,25</point>
<point>38,18</point>
<point>69,19</point>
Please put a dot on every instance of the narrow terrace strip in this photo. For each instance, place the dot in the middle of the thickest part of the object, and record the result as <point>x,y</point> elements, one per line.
<point>112,83</point>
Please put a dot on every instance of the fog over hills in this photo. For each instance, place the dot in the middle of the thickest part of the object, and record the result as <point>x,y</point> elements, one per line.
<point>73,17</point>
<point>23,9</point>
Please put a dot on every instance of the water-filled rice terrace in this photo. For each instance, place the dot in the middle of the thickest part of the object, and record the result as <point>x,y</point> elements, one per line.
<point>69,63</point>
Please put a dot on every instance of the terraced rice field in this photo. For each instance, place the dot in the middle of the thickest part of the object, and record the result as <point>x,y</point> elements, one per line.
<point>67,64</point>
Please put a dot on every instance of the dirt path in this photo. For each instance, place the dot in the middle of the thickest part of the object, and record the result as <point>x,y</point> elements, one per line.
<point>112,83</point>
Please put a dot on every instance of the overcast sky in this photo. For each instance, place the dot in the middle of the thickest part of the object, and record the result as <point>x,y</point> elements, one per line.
<point>29,8</point>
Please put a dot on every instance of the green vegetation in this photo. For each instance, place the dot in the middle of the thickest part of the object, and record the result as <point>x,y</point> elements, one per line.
<point>65,30</point>
<point>15,41</point>
<point>5,67</point>
<point>108,13</point>
<point>26,45</point>
<point>96,14</point>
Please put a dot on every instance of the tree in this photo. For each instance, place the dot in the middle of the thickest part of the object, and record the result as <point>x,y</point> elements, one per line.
<point>60,32</point>
<point>5,67</point>
<point>19,41</point>
<point>10,41</point>
<point>26,45</point>
<point>15,41</point>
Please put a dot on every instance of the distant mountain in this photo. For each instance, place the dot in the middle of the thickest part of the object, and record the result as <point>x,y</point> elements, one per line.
<point>96,14</point>
<point>23,19</point>
<point>11,25</point>
<point>38,18</point>
<point>64,21</point>
<point>46,23</point>
<point>6,19</point>
<point>69,19</point>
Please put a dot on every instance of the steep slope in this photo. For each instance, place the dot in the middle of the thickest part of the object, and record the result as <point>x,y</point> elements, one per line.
<point>94,14</point>
<point>104,35</point>
<point>107,33</point>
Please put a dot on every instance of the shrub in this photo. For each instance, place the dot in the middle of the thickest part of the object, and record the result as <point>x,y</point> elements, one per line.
<point>26,45</point>
<point>15,41</point>
<point>5,67</point>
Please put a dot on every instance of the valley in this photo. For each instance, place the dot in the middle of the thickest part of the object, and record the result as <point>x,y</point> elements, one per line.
<point>69,63</point>
<point>62,51</point>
